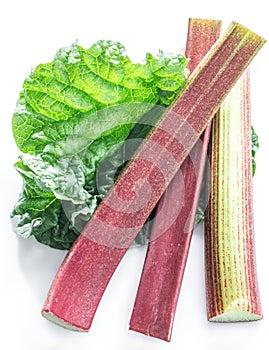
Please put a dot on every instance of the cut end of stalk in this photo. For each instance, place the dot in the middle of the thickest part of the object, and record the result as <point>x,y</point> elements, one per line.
<point>236,315</point>
<point>152,331</point>
<point>59,322</point>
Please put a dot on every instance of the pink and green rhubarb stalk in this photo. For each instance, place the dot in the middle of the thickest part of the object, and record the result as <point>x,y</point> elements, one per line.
<point>231,278</point>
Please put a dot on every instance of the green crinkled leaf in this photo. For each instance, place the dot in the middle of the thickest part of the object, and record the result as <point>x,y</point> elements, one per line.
<point>254,148</point>
<point>79,82</point>
<point>39,213</point>
<point>73,119</point>
<point>50,227</point>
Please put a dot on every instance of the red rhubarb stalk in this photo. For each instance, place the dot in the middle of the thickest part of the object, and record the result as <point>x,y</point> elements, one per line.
<point>160,283</point>
<point>82,278</point>
<point>231,279</point>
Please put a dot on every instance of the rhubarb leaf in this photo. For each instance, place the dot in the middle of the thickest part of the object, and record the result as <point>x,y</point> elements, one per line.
<point>59,95</point>
<point>254,148</point>
<point>72,120</point>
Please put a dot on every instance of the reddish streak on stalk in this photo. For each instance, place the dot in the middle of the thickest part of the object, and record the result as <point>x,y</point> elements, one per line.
<point>163,270</point>
<point>231,279</point>
<point>82,278</point>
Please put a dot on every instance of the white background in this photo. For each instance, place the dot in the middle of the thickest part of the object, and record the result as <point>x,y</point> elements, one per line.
<point>31,33</point>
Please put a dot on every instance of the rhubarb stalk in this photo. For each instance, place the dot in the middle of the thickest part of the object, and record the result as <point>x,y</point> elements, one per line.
<point>160,283</point>
<point>231,279</point>
<point>82,278</point>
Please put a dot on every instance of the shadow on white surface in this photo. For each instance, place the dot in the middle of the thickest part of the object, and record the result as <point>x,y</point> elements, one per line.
<point>38,264</point>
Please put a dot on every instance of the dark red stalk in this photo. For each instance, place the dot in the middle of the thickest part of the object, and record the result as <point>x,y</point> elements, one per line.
<point>88,267</point>
<point>163,271</point>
